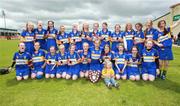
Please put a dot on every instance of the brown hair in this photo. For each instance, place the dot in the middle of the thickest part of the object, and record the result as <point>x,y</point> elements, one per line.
<point>165,30</point>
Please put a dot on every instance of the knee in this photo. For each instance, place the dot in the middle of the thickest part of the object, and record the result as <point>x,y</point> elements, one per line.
<point>74,77</point>
<point>58,75</point>
<point>18,78</point>
<point>47,76</point>
<point>132,77</point>
<point>82,74</point>
<point>64,75</point>
<point>117,76</point>
<point>145,77</point>
<point>33,76</point>
<point>25,77</point>
<point>86,74</point>
<point>68,76</point>
<point>151,78</point>
<point>124,77</point>
<point>137,78</point>
<point>52,75</point>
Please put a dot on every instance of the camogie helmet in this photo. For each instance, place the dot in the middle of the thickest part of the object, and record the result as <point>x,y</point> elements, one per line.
<point>4,71</point>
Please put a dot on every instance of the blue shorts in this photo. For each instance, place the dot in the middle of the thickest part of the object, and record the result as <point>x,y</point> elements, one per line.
<point>133,71</point>
<point>61,69</point>
<point>37,69</point>
<point>96,67</point>
<point>73,70</point>
<point>166,55</point>
<point>151,71</point>
<point>84,67</point>
<point>48,70</point>
<point>22,72</point>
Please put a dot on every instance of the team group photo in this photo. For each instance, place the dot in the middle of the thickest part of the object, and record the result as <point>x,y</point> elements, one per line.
<point>100,57</point>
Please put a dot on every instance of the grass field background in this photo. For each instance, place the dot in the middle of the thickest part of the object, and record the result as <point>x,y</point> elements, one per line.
<point>55,92</point>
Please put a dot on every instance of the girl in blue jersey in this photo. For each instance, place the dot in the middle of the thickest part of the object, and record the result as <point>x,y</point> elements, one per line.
<point>27,37</point>
<point>96,56</point>
<point>40,35</point>
<point>139,37</point>
<point>73,63</point>
<point>85,34</point>
<point>62,62</point>
<point>51,62</point>
<point>63,38</point>
<point>51,35</point>
<point>163,40</point>
<point>38,60</point>
<point>85,60</point>
<point>106,55</point>
<point>120,58</point>
<point>105,35</point>
<point>129,35</point>
<point>75,37</point>
<point>149,56</point>
<point>149,32</point>
<point>22,61</point>
<point>134,60</point>
<point>95,34</point>
<point>116,37</point>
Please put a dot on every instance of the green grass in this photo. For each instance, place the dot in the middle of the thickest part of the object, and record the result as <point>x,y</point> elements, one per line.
<point>48,92</point>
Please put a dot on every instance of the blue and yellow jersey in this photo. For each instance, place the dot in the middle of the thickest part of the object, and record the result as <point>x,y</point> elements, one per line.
<point>63,38</point>
<point>75,36</point>
<point>63,58</point>
<point>86,57</point>
<point>166,40</point>
<point>129,35</point>
<point>73,58</point>
<point>27,36</point>
<point>94,35</point>
<point>105,56</point>
<point>84,35</point>
<point>40,34</point>
<point>38,58</point>
<point>21,60</point>
<point>149,34</point>
<point>95,55</point>
<point>51,58</point>
<point>106,36</point>
<point>53,32</point>
<point>116,36</point>
<point>133,61</point>
<point>139,37</point>
<point>149,58</point>
<point>120,59</point>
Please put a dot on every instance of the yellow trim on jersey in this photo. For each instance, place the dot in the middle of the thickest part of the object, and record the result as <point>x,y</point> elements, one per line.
<point>21,61</point>
<point>95,56</point>
<point>149,58</point>
<point>129,37</point>
<point>39,36</point>
<point>120,61</point>
<point>38,59</point>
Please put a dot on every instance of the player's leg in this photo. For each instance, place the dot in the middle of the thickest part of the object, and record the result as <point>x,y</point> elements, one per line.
<point>82,73</point>
<point>151,74</point>
<point>74,77</point>
<point>166,65</point>
<point>64,74</point>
